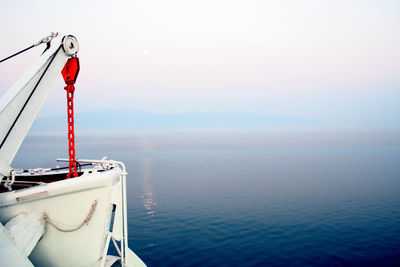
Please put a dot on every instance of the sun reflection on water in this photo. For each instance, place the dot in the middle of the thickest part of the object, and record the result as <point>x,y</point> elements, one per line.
<point>148,199</point>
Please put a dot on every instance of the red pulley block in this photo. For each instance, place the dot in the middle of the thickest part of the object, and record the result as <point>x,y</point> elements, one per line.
<point>71,70</point>
<point>70,73</point>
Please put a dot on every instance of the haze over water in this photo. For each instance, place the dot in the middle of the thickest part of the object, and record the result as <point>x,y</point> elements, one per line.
<point>252,197</point>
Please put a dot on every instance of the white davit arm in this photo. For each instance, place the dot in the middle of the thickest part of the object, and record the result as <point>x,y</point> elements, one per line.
<point>21,103</point>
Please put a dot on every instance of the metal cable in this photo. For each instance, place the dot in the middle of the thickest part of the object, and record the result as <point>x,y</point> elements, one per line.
<point>23,50</point>
<point>29,97</point>
<point>45,40</point>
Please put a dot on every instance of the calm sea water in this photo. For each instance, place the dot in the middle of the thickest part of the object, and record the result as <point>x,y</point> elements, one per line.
<point>252,198</point>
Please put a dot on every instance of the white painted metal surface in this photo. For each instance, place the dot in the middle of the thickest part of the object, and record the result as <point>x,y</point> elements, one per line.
<point>21,103</point>
<point>10,255</point>
<point>25,230</point>
<point>133,260</point>
<point>120,227</point>
<point>67,203</point>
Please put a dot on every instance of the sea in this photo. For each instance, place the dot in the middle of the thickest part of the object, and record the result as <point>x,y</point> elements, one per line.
<point>251,197</point>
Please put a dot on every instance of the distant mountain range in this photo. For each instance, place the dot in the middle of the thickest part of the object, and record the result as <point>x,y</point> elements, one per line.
<point>115,120</point>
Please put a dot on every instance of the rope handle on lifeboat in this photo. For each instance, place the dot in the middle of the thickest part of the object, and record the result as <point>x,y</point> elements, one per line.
<point>47,220</point>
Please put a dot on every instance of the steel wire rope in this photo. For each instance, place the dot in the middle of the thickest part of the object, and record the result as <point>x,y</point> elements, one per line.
<point>13,55</point>
<point>29,97</point>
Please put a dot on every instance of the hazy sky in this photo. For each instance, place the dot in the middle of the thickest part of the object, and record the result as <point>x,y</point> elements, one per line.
<point>337,62</point>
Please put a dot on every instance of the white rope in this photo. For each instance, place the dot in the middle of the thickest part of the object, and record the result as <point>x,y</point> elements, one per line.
<point>85,221</point>
<point>10,180</point>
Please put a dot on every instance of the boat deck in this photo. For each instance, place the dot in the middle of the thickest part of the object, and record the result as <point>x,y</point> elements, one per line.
<point>28,178</point>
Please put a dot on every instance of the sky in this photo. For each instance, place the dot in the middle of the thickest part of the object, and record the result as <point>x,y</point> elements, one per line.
<point>336,62</point>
